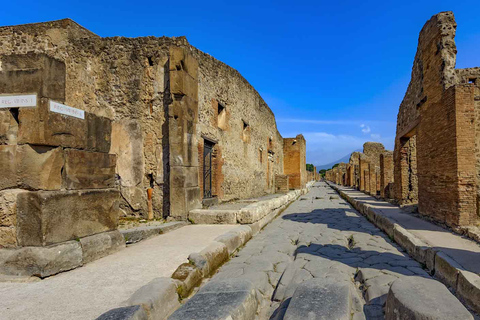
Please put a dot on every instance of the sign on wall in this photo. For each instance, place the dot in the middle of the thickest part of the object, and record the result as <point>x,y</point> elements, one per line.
<point>66,110</point>
<point>18,101</point>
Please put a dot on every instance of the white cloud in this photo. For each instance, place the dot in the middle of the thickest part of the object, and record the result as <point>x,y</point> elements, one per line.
<point>365,128</point>
<point>375,136</point>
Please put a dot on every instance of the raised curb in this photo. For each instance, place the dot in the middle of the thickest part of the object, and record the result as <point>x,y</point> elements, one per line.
<point>464,284</point>
<point>250,214</point>
<point>137,234</point>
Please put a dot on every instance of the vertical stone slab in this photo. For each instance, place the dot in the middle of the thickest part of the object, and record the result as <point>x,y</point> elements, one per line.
<point>183,145</point>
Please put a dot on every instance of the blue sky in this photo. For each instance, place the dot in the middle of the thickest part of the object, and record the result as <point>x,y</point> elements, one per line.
<point>335,71</point>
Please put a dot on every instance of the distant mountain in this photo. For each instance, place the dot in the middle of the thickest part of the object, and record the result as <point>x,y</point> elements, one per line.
<point>344,159</point>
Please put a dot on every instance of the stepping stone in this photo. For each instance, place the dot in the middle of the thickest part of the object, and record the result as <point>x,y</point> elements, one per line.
<point>219,300</point>
<point>320,299</point>
<point>417,298</point>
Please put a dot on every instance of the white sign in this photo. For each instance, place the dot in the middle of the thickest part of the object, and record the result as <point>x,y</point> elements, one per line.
<point>18,101</point>
<point>66,110</point>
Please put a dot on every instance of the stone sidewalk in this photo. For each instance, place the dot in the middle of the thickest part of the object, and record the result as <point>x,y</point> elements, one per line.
<point>89,291</point>
<point>453,259</point>
<point>319,246</point>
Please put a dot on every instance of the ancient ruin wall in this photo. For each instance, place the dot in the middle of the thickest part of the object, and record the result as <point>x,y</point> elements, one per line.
<point>295,161</point>
<point>246,135</point>
<point>436,130</point>
<point>119,78</point>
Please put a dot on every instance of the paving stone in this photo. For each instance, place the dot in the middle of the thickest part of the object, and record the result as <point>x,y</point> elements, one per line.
<point>125,313</point>
<point>420,298</point>
<point>320,299</point>
<point>219,300</point>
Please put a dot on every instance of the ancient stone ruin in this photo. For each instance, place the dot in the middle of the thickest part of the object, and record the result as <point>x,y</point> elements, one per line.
<point>93,130</point>
<point>436,159</point>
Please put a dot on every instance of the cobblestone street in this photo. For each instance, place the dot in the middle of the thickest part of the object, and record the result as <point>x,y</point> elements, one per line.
<point>321,237</point>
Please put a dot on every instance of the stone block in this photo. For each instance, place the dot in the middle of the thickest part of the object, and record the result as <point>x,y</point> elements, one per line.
<point>222,299</point>
<point>100,245</point>
<point>88,170</point>
<point>39,126</point>
<point>189,277</point>
<point>127,144</point>
<point>159,298</point>
<point>421,298</point>
<point>99,133</point>
<point>41,261</point>
<point>8,127</point>
<point>135,197</point>
<point>205,216</point>
<point>468,289</point>
<point>385,224</point>
<point>446,269</point>
<point>8,165</point>
<point>33,72</point>
<point>193,199</point>
<point>125,313</point>
<point>31,167</point>
<point>39,167</point>
<point>48,217</point>
<point>8,217</point>
<point>210,258</point>
<point>140,233</point>
<point>320,299</point>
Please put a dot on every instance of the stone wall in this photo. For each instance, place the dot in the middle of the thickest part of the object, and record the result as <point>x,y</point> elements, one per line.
<point>436,146</point>
<point>165,99</point>
<point>386,175</point>
<point>295,164</point>
<point>58,179</point>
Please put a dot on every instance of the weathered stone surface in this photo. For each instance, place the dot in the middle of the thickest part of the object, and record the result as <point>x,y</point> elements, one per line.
<point>8,217</point>
<point>159,298</point>
<point>320,299</point>
<point>468,289</point>
<point>235,238</point>
<point>31,167</point>
<point>39,126</point>
<point>8,128</point>
<point>125,313</point>
<point>41,261</point>
<point>39,167</point>
<point>48,217</point>
<point>446,269</point>
<point>416,298</point>
<point>100,245</point>
<point>189,277</point>
<point>99,133</point>
<point>210,258</point>
<point>89,170</point>
<point>206,216</point>
<point>223,299</point>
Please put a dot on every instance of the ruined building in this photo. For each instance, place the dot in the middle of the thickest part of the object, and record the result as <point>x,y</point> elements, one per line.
<point>94,129</point>
<point>437,154</point>
<point>370,171</point>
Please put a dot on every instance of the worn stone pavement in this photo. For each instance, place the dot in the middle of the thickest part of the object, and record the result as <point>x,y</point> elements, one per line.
<point>89,291</point>
<point>320,236</point>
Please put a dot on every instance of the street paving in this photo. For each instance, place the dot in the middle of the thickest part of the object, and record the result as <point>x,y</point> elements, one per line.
<point>321,236</point>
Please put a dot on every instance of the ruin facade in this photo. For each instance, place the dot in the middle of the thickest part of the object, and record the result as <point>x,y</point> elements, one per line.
<point>436,146</point>
<point>127,127</point>
<point>370,171</point>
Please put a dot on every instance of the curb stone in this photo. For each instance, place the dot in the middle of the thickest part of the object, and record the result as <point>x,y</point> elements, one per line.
<point>465,285</point>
